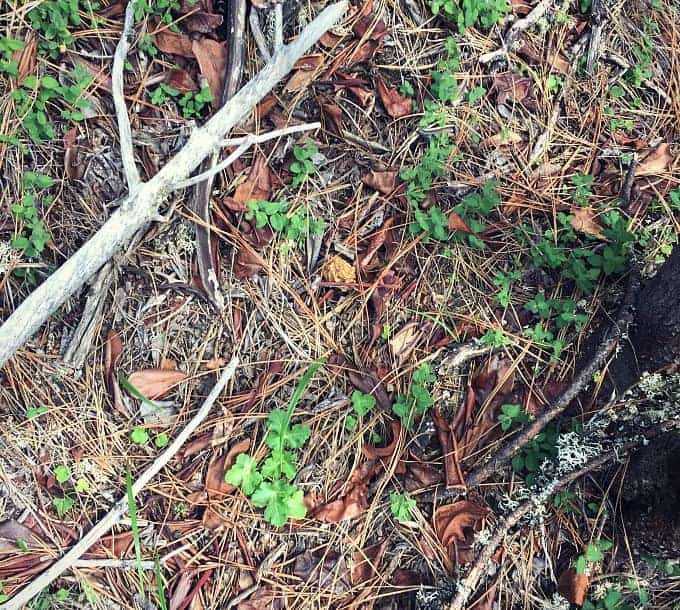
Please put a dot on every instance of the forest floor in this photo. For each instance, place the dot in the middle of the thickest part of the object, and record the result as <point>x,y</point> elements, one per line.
<point>406,287</point>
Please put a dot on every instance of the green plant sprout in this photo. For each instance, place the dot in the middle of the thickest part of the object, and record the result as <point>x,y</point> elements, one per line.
<point>303,167</point>
<point>417,400</point>
<point>269,487</point>
<point>402,506</point>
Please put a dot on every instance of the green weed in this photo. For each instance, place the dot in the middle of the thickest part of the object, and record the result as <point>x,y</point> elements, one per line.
<point>294,226</point>
<point>8,46</point>
<point>402,506</point>
<point>593,553</point>
<point>303,167</point>
<point>468,13</point>
<point>417,400</point>
<point>362,404</point>
<point>134,526</point>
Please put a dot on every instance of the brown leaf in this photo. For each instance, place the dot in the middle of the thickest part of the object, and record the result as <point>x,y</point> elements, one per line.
<point>26,58</point>
<point>219,464</point>
<point>511,87</point>
<point>405,341</point>
<point>11,532</point>
<point>174,44</point>
<point>397,105</point>
<point>332,115</point>
<point>306,70</point>
<point>573,587</point>
<point>452,520</point>
<point>247,264</point>
<point>382,181</point>
<point>257,186</point>
<point>585,220</point>
<point>73,164</point>
<point>367,562</point>
<point>658,161</point>
<point>374,453</point>
<point>456,223</point>
<point>182,589</point>
<point>181,80</point>
<point>329,572</point>
<point>212,58</point>
<point>378,239</point>
<point>155,383</point>
<point>202,22</point>
<point>339,271</point>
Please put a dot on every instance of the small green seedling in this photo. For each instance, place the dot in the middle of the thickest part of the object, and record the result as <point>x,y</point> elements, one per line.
<point>294,226</point>
<point>402,507</point>
<point>269,487</point>
<point>134,526</point>
<point>593,553</point>
<point>417,400</point>
<point>363,404</point>
<point>139,436</point>
<point>303,167</point>
<point>62,474</point>
<point>34,412</point>
<point>511,415</point>
<point>469,13</point>
<point>161,440</point>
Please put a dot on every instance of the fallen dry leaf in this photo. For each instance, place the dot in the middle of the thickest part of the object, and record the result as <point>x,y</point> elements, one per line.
<point>258,184</point>
<point>376,453</point>
<point>573,586</point>
<point>329,572</point>
<point>73,164</point>
<point>585,220</point>
<point>155,383</point>
<point>512,87</point>
<point>405,341</point>
<point>112,352</point>
<point>180,80</point>
<point>305,70</point>
<point>382,181</point>
<point>367,562</point>
<point>332,114</point>
<point>27,57</point>
<point>658,161</point>
<point>212,58</point>
<point>247,264</point>
<point>456,223</point>
<point>396,104</point>
<point>174,44</point>
<point>455,525</point>
<point>339,271</point>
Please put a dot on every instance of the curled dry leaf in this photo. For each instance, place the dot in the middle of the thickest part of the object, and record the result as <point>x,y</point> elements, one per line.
<point>339,271</point>
<point>382,181</point>
<point>395,103</point>
<point>367,562</point>
<point>573,586</point>
<point>658,161</point>
<point>26,58</point>
<point>355,500</point>
<point>112,353</point>
<point>247,264</point>
<point>180,80</point>
<point>212,58</point>
<point>202,22</point>
<point>375,453</point>
<point>73,163</point>
<point>332,115</point>
<point>156,383</point>
<point>585,220</point>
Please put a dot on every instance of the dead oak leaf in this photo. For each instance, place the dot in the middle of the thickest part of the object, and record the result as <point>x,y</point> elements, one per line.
<point>585,220</point>
<point>573,586</point>
<point>453,521</point>
<point>257,186</point>
<point>512,87</point>
<point>456,223</point>
<point>305,71</point>
<point>155,383</point>
<point>202,22</point>
<point>397,105</point>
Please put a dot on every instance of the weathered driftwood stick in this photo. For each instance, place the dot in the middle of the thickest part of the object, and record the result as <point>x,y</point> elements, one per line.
<point>142,205</point>
<point>120,508</point>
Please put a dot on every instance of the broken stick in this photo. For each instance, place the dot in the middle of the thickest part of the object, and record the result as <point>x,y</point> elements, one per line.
<point>141,205</point>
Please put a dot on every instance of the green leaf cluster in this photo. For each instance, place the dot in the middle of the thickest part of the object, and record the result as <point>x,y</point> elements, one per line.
<point>469,13</point>
<point>270,487</point>
<point>294,226</point>
<point>303,167</point>
<point>593,553</point>
<point>31,236</point>
<point>511,415</point>
<point>417,400</point>
<point>402,506</point>
<point>8,46</point>
<point>541,448</point>
<point>192,104</point>
<point>362,404</point>
<point>53,20</point>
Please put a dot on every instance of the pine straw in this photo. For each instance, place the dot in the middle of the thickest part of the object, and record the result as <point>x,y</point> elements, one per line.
<point>278,316</point>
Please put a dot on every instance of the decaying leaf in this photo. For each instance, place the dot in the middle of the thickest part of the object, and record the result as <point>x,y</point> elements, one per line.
<point>658,161</point>
<point>456,223</point>
<point>396,104</point>
<point>305,70</point>
<point>585,220</point>
<point>27,57</point>
<point>211,57</point>
<point>155,383</point>
<point>174,44</point>
<point>112,352</point>
<point>339,271</point>
<point>202,22</point>
<point>367,562</point>
<point>405,341</point>
<point>455,525</point>
<point>573,586</point>
<point>382,181</point>
<point>328,572</point>
<point>355,500</point>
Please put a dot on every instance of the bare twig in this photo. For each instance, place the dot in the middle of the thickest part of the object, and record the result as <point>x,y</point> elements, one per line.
<point>243,144</point>
<point>584,377</point>
<point>597,23</point>
<point>120,508</point>
<point>117,90</point>
<point>142,205</point>
<point>478,569</point>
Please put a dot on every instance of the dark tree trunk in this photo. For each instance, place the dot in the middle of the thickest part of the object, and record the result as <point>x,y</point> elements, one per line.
<point>651,488</point>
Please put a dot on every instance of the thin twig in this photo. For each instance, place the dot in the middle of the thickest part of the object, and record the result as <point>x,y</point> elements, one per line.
<point>243,144</point>
<point>478,569</point>
<point>127,150</point>
<point>120,508</point>
<point>584,377</point>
